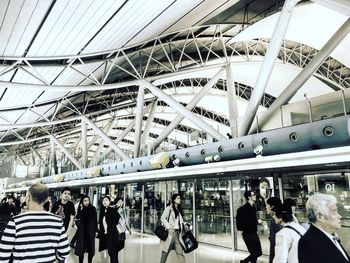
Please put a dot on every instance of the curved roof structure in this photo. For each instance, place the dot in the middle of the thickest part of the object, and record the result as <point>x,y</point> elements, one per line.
<point>135,68</point>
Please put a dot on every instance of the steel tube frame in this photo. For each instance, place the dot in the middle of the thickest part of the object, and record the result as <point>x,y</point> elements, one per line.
<point>66,152</point>
<point>267,66</point>
<point>138,118</point>
<point>232,101</point>
<point>306,73</point>
<point>106,138</point>
<point>189,107</point>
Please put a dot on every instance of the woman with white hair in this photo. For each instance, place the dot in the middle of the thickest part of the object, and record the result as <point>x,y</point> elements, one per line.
<point>320,244</point>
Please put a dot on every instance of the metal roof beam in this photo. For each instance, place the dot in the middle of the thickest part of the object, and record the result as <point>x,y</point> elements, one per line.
<point>182,110</point>
<point>306,73</point>
<point>106,138</point>
<point>194,101</point>
<point>66,152</point>
<point>268,65</point>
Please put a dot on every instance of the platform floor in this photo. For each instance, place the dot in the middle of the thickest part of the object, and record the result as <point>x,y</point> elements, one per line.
<point>146,250</point>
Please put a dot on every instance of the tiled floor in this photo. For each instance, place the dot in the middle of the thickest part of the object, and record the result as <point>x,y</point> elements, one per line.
<point>146,250</point>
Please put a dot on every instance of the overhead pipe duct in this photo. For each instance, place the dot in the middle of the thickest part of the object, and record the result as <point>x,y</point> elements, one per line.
<point>321,134</point>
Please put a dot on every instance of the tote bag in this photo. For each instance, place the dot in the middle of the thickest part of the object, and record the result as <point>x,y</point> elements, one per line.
<point>190,242</point>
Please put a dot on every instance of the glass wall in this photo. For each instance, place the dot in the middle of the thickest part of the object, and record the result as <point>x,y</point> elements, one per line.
<point>134,194</point>
<point>212,202</point>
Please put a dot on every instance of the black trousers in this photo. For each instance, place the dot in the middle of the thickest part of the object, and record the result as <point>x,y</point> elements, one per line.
<point>113,251</point>
<point>253,244</point>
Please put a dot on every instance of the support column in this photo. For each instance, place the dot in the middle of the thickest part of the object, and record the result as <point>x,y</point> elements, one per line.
<point>267,65</point>
<point>106,138</point>
<point>148,125</point>
<point>138,117</point>
<point>232,101</point>
<point>53,157</point>
<point>107,130</point>
<point>306,73</point>
<point>66,152</point>
<point>84,144</point>
<point>123,134</point>
<point>182,110</point>
<point>189,106</point>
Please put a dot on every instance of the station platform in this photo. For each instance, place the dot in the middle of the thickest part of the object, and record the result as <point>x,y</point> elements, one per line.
<point>146,250</point>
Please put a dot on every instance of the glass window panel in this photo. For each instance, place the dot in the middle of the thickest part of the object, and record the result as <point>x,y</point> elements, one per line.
<point>213,211</point>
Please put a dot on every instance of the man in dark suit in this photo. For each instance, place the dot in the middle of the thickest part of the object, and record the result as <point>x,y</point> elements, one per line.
<point>249,228</point>
<point>319,244</point>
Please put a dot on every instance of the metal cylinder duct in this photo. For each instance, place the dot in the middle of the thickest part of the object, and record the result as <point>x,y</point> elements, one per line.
<point>330,132</point>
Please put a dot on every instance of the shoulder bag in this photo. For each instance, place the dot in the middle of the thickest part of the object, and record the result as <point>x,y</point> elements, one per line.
<point>161,232</point>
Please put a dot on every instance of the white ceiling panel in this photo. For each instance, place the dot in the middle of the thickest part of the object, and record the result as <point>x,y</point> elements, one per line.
<point>28,20</point>
<point>10,10</point>
<point>73,77</point>
<point>34,114</point>
<point>51,95</point>
<point>54,23</point>
<point>7,76</point>
<point>165,20</point>
<point>11,116</point>
<point>135,14</point>
<point>306,25</point>
<point>17,97</point>
<point>203,12</point>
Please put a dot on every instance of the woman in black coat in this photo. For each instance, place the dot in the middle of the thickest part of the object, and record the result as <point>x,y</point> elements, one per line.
<point>87,229</point>
<point>108,234</point>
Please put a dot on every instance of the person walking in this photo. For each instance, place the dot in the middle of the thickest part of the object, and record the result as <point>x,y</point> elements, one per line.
<point>64,208</point>
<point>87,229</point>
<point>36,235</point>
<point>172,220</point>
<point>108,234</point>
<point>122,227</point>
<point>286,248</point>
<point>248,219</point>
<point>320,243</point>
<point>271,203</point>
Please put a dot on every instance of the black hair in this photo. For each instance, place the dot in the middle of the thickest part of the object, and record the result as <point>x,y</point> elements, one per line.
<point>283,212</point>
<point>66,189</point>
<point>179,208</point>
<point>248,193</point>
<point>289,202</point>
<point>274,201</point>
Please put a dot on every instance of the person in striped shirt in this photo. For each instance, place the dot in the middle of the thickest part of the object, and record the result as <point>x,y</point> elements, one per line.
<point>36,235</point>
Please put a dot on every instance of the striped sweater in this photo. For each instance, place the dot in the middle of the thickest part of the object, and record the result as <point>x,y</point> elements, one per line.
<point>34,237</point>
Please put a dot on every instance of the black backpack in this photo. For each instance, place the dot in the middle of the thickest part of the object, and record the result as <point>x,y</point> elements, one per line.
<point>239,219</point>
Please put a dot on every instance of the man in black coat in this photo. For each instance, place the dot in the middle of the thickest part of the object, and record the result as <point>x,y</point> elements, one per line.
<point>319,244</point>
<point>247,214</point>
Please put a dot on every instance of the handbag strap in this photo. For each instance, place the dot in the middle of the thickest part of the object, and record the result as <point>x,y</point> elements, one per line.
<point>290,227</point>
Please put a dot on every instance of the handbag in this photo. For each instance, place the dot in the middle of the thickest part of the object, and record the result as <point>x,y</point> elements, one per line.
<point>161,232</point>
<point>190,242</point>
<point>121,236</point>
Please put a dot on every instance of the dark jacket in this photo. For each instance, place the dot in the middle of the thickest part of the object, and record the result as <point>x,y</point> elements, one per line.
<point>274,228</point>
<point>316,247</point>
<point>248,215</point>
<point>109,240</point>
<point>86,231</point>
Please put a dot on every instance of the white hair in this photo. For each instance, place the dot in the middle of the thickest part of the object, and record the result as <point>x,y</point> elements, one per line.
<point>319,204</point>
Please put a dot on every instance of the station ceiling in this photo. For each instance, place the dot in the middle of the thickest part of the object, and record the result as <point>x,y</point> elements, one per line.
<point>64,59</point>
